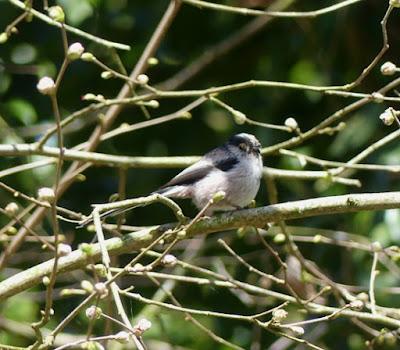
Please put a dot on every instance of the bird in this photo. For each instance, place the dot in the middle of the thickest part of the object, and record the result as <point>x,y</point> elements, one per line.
<point>234,168</point>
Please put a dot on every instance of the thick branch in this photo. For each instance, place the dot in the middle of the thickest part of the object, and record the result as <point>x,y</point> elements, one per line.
<point>258,217</point>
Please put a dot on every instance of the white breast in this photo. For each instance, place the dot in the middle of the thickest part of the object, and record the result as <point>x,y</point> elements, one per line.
<point>245,182</point>
<point>240,185</point>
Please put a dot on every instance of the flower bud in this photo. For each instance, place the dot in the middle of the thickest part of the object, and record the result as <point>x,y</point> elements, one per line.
<point>88,57</point>
<point>298,331</point>
<point>376,246</point>
<point>107,74</point>
<point>394,3</point>
<point>378,97</point>
<point>239,117</point>
<point>93,312</point>
<point>87,286</point>
<point>279,315</point>
<point>101,289</point>
<point>153,104</point>
<point>152,61</point>
<point>86,248</point>
<point>356,305</point>
<point>291,123</point>
<point>388,68</point>
<point>142,326</point>
<point>11,208</point>
<point>46,86</point>
<point>88,97</point>
<point>182,234</point>
<point>75,51</point>
<point>218,197</point>
<point>138,267</point>
<point>64,249</point>
<point>80,177</point>
<point>279,238</point>
<point>122,337</point>
<point>363,297</point>
<point>11,231</point>
<point>169,260</point>
<point>100,270</point>
<point>185,115</point>
<point>142,79</point>
<point>46,280</point>
<point>57,13</point>
<point>46,194</point>
<point>3,37</point>
<point>388,116</point>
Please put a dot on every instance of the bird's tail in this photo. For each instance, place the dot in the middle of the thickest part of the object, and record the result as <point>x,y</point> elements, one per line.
<point>109,213</point>
<point>169,191</point>
<point>173,191</point>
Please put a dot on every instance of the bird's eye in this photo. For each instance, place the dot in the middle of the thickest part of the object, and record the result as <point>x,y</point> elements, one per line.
<point>243,146</point>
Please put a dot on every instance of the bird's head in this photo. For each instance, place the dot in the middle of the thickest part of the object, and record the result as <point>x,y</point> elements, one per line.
<point>246,143</point>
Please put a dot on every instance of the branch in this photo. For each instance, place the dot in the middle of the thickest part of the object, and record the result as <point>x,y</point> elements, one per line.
<point>289,14</point>
<point>154,162</point>
<point>258,217</point>
<point>70,29</point>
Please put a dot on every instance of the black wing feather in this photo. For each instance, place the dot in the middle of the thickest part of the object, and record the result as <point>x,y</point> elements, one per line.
<point>189,177</point>
<point>221,158</point>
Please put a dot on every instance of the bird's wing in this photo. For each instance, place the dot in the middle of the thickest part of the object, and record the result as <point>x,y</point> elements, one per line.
<point>191,174</point>
<point>217,158</point>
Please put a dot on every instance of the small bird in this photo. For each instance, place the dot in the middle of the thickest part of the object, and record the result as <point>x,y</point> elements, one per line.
<point>234,168</point>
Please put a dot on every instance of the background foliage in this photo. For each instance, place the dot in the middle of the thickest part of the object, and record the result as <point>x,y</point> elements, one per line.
<point>327,50</point>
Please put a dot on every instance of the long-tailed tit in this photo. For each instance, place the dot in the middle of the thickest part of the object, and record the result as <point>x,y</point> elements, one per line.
<point>234,168</point>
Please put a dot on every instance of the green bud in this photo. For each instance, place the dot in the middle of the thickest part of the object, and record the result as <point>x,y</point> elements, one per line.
<point>100,270</point>
<point>239,117</point>
<point>182,234</point>
<point>152,61</point>
<point>376,246</point>
<point>93,312</point>
<point>57,13</point>
<point>153,104</point>
<point>88,57</point>
<point>394,3</point>
<point>80,177</point>
<point>218,197</point>
<point>3,38</point>
<point>88,97</point>
<point>87,286</point>
<point>279,238</point>
<point>11,231</point>
<point>86,248</point>
<point>186,115</point>
<point>107,74</point>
